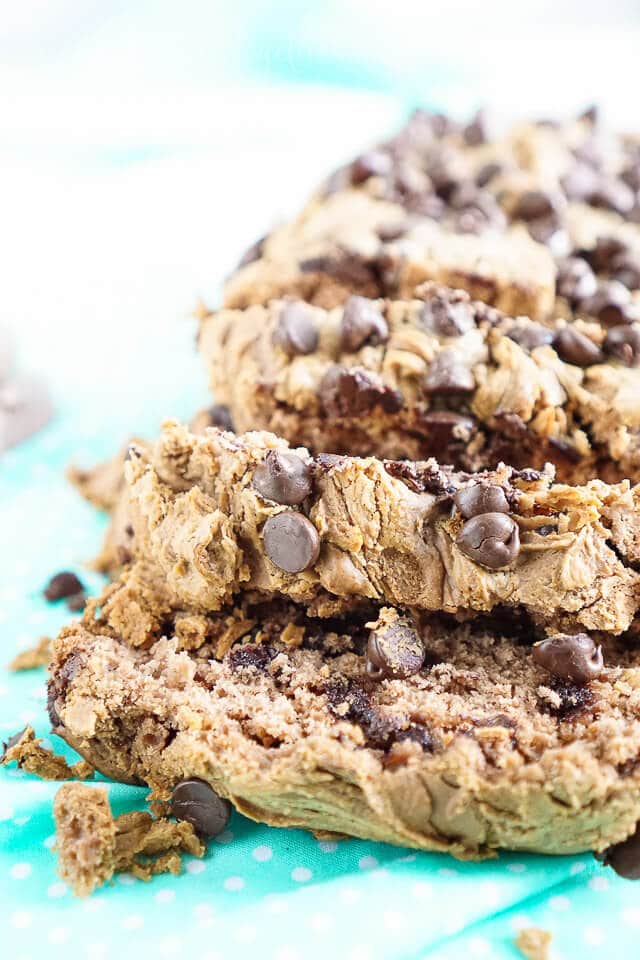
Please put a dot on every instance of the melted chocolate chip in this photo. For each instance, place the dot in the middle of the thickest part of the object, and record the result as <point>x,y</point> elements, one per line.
<point>251,656</point>
<point>350,269</point>
<point>449,374</point>
<point>62,585</point>
<point>380,731</point>
<point>574,697</point>
<point>446,318</point>
<point>443,428</point>
<point>352,392</point>
<point>528,334</point>
<point>623,343</point>
<point>362,322</point>
<point>490,539</point>
<point>573,657</point>
<point>296,331</point>
<point>394,651</point>
<point>420,479</point>
<point>575,348</point>
<point>291,541</point>
<point>283,477</point>
<point>576,280</point>
<point>481,498</point>
<point>624,857</point>
<point>196,802</point>
<point>220,416</point>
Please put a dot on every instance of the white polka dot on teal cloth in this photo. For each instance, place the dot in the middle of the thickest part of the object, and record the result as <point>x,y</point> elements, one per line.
<point>234,883</point>
<point>262,854</point>
<point>301,874</point>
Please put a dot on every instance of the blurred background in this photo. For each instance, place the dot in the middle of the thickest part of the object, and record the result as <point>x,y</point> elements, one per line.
<point>145,144</point>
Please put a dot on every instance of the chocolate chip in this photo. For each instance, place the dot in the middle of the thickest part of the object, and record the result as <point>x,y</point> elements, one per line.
<point>362,322</point>
<point>196,802</point>
<point>443,427</point>
<point>446,318</point>
<point>611,304</point>
<point>77,602</point>
<point>534,205</point>
<point>528,334</point>
<point>481,498</point>
<point>283,477</point>
<point>394,651</point>
<point>573,657</point>
<point>372,164</point>
<point>623,343</point>
<point>353,392</point>
<point>487,172</point>
<point>575,280</point>
<point>604,253</point>
<point>296,331</point>
<point>490,539</point>
<point>62,585</point>
<point>291,541</point>
<point>220,416</point>
<point>624,857</point>
<point>449,374</point>
<point>574,347</point>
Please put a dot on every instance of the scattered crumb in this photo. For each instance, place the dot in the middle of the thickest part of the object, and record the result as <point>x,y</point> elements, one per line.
<point>533,943</point>
<point>235,629</point>
<point>27,751</point>
<point>201,311</point>
<point>292,635</point>
<point>36,656</point>
<point>92,845</point>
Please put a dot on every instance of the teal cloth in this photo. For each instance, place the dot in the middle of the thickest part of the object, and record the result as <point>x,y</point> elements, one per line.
<point>260,891</point>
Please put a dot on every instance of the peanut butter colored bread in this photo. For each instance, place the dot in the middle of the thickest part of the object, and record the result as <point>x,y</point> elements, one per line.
<point>92,845</point>
<point>541,220</point>
<point>479,748</point>
<point>440,376</point>
<point>218,514</point>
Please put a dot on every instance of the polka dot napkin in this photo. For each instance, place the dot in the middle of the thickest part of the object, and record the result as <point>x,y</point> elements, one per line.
<point>259,892</point>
